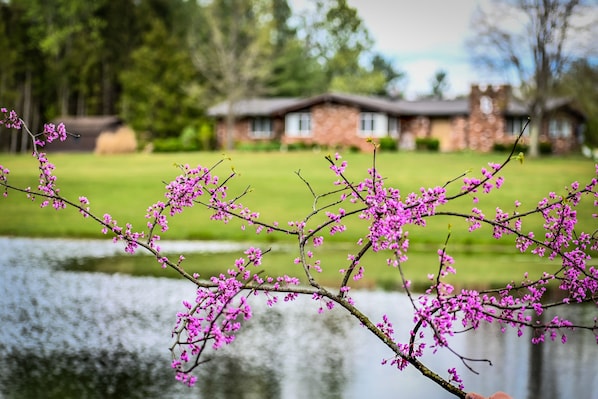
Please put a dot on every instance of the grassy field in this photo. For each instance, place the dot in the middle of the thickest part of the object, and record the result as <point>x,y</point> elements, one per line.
<point>125,185</point>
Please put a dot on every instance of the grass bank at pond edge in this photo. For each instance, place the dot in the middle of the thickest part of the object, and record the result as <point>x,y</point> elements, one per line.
<point>491,267</point>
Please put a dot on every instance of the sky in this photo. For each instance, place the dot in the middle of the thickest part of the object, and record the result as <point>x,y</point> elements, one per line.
<point>422,37</point>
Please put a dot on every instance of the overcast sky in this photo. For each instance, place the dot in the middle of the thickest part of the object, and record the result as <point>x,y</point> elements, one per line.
<point>421,37</point>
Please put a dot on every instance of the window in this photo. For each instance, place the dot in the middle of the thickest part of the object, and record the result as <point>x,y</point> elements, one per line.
<point>372,124</point>
<point>298,124</point>
<point>366,122</point>
<point>559,128</point>
<point>514,126</point>
<point>261,128</point>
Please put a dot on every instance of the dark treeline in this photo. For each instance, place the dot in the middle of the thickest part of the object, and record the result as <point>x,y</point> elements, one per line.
<point>159,64</point>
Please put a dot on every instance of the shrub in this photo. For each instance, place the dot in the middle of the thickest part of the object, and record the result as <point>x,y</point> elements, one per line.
<point>190,139</point>
<point>300,146</point>
<point>265,146</point>
<point>507,147</point>
<point>169,144</point>
<point>388,144</point>
<point>198,138</point>
<point>119,142</point>
<point>545,147</point>
<point>427,144</point>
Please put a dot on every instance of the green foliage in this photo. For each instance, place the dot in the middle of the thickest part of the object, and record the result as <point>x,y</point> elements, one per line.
<point>361,81</point>
<point>168,144</point>
<point>295,73</point>
<point>264,146</point>
<point>440,84</point>
<point>153,98</point>
<point>579,82</point>
<point>192,138</point>
<point>427,144</point>
<point>300,146</point>
<point>155,62</point>
<point>392,76</point>
<point>545,147</point>
<point>337,37</point>
<point>507,147</point>
<point>388,144</point>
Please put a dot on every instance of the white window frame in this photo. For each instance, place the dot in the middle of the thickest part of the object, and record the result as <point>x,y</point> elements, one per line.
<point>373,124</point>
<point>559,128</point>
<point>298,124</point>
<point>261,127</point>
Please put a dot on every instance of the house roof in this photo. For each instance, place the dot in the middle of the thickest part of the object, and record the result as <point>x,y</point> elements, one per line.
<point>253,106</point>
<point>428,107</point>
<point>516,108</point>
<point>433,107</point>
<point>369,103</point>
<point>89,125</point>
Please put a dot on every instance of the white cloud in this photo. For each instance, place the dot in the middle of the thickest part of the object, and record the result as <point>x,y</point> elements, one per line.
<point>421,37</point>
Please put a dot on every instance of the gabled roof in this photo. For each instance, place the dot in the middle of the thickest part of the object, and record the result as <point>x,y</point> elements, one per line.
<point>253,106</point>
<point>516,108</point>
<point>433,107</point>
<point>429,107</point>
<point>89,125</point>
<point>369,103</point>
<point>281,106</point>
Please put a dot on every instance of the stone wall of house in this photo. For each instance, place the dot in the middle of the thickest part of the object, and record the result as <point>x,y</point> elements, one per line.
<point>421,126</point>
<point>486,123</point>
<point>412,128</point>
<point>459,139</point>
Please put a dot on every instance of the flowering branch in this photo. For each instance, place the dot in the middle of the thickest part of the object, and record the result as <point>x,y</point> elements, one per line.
<point>222,303</point>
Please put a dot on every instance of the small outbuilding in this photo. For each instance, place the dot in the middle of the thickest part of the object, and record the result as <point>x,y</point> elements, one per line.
<point>88,128</point>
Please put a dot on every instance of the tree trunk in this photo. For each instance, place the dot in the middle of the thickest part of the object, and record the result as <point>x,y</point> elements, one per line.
<point>107,108</point>
<point>534,134</point>
<point>27,108</point>
<point>229,136</point>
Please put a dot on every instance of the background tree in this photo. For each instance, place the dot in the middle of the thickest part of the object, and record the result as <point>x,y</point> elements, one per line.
<point>336,36</point>
<point>157,92</point>
<point>67,33</point>
<point>393,77</point>
<point>230,47</point>
<point>534,40</point>
<point>294,72</point>
<point>580,81</point>
<point>440,84</point>
<point>121,34</point>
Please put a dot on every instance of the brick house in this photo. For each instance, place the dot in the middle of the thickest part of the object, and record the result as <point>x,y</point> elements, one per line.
<point>489,115</point>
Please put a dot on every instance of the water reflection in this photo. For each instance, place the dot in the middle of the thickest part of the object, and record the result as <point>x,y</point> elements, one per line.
<point>73,335</point>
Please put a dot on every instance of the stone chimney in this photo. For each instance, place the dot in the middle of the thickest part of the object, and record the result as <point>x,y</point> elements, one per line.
<point>486,121</point>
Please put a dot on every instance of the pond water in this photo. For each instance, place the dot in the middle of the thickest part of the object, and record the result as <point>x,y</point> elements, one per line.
<point>66,334</point>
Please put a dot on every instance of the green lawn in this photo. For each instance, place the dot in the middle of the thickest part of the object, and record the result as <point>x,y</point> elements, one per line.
<point>126,185</point>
